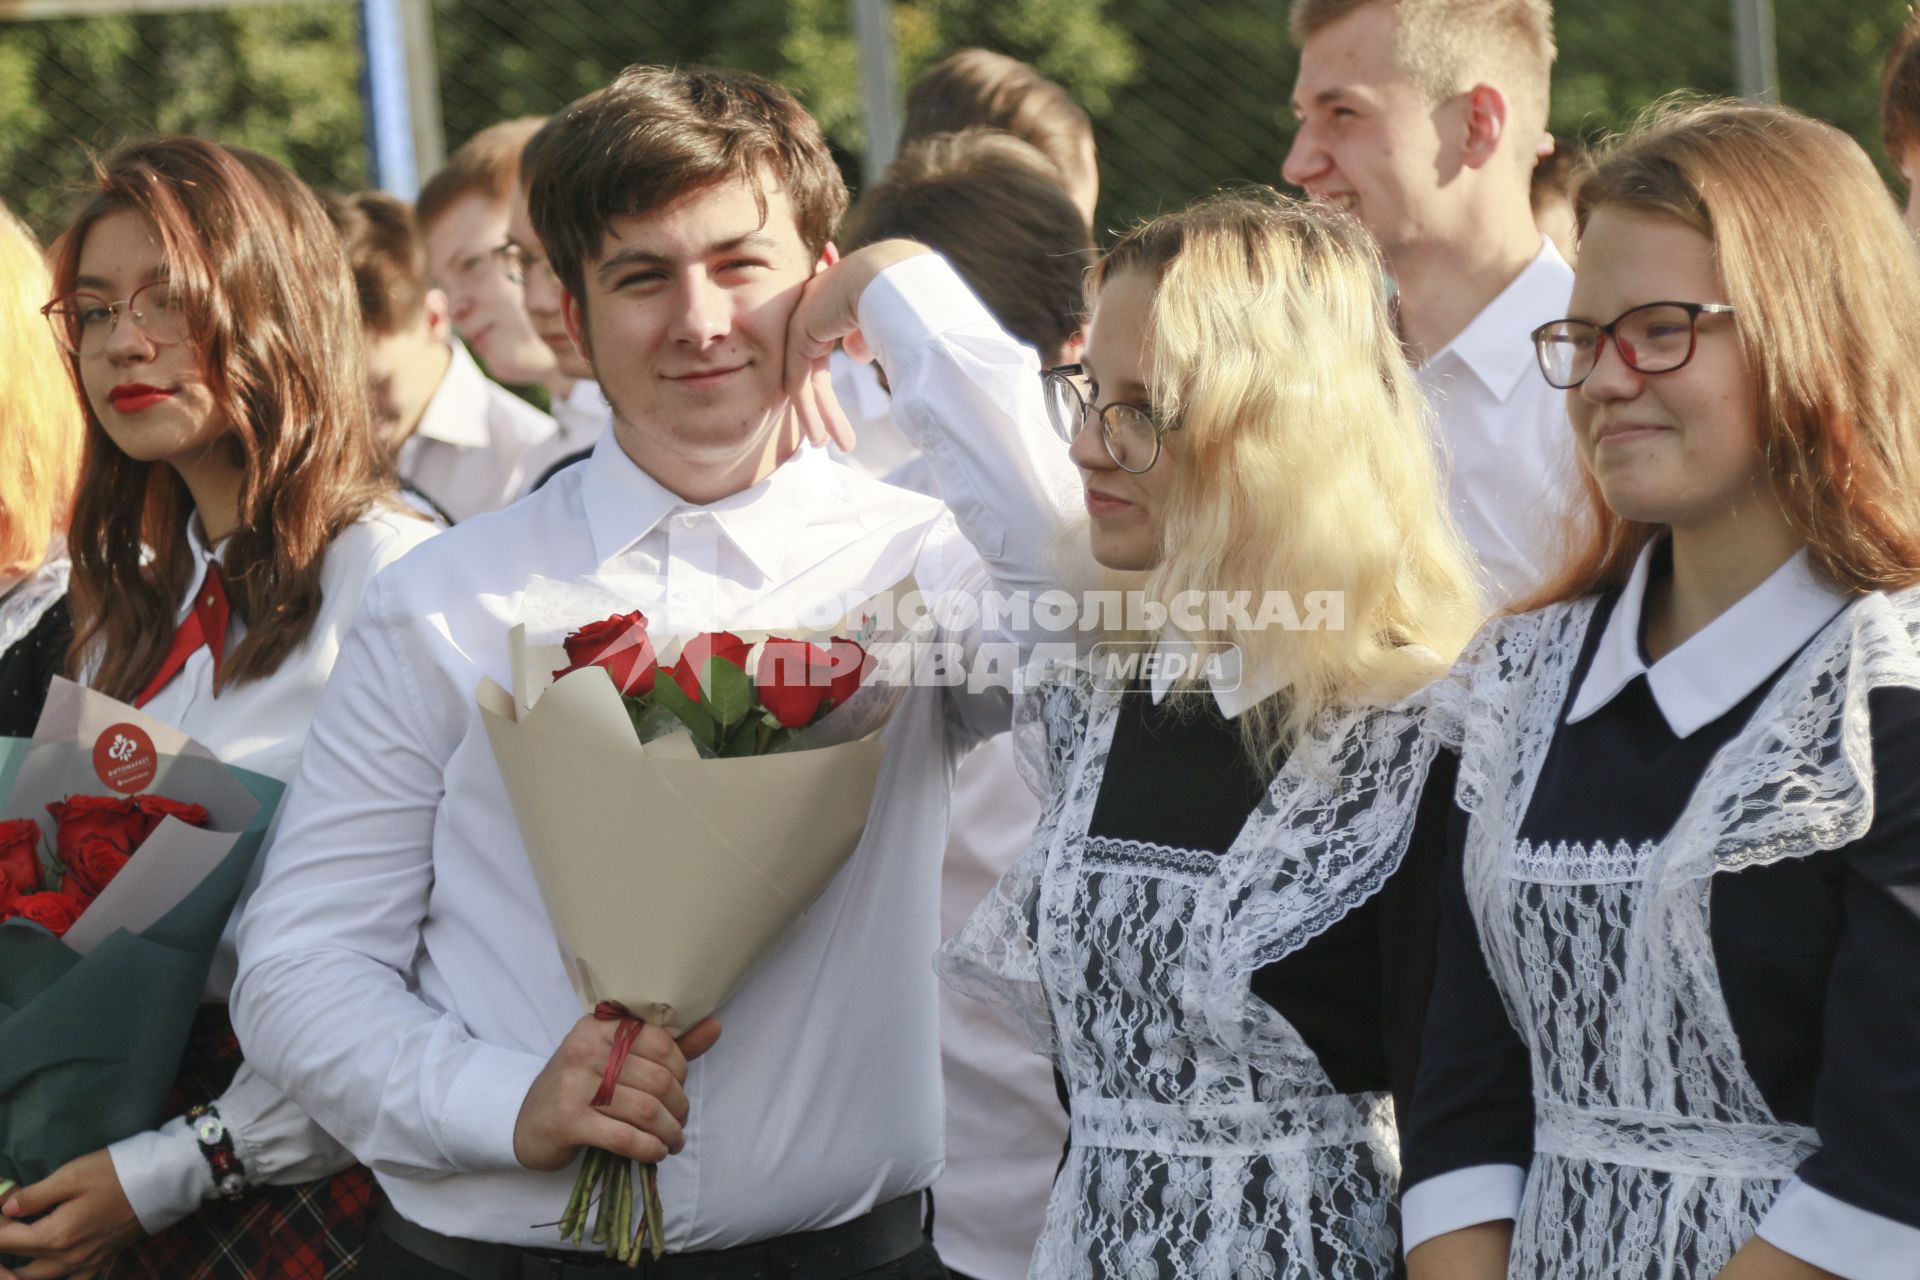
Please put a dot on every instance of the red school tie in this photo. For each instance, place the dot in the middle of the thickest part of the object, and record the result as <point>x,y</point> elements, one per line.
<point>205,625</point>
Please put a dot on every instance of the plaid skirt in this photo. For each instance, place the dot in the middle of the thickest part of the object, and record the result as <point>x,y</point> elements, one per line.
<point>314,1231</point>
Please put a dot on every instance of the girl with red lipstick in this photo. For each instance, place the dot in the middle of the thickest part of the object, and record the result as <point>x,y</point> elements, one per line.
<point>1221,931</point>
<point>1677,1012</point>
<point>232,506</point>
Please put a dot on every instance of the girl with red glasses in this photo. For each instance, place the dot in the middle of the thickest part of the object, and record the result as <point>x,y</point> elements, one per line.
<point>1677,1007</point>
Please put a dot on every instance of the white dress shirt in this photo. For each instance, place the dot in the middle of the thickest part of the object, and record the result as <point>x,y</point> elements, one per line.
<point>398,973</point>
<point>879,447</point>
<point>474,443</point>
<point>1005,1125</point>
<point>1506,446</point>
<point>259,725</point>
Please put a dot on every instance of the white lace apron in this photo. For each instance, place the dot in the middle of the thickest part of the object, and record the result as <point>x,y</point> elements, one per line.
<point>22,607</point>
<point>1207,1140</point>
<point>1655,1155</point>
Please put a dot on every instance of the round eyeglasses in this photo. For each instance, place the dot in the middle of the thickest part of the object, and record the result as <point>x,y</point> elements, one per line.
<point>82,322</point>
<point>517,264</point>
<point>1656,337</point>
<point>1130,433</point>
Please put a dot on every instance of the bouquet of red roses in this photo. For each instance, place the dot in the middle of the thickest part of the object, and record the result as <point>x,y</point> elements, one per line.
<point>123,848</point>
<point>727,710</point>
<point>663,889</point>
<point>94,838</point>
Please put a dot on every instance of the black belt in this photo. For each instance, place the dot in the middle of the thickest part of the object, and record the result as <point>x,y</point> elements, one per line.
<point>886,1234</point>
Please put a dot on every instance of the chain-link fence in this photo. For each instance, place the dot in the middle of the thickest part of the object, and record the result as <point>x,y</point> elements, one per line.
<point>1186,94</point>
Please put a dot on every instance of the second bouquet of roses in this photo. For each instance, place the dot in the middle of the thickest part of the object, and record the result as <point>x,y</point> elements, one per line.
<point>681,812</point>
<point>123,848</point>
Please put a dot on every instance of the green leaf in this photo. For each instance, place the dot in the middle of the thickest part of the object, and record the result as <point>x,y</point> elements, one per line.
<point>690,713</point>
<point>729,693</point>
<point>743,742</point>
<point>650,718</point>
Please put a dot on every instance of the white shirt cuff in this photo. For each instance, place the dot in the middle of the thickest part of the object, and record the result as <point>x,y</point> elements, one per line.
<point>482,1106</point>
<point>1848,1241</point>
<point>163,1174</point>
<point>914,301</point>
<point>1460,1199</point>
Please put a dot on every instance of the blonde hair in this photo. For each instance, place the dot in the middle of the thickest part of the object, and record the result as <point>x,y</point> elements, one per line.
<point>1822,277</point>
<point>40,424</point>
<point>1447,46</point>
<point>1306,455</point>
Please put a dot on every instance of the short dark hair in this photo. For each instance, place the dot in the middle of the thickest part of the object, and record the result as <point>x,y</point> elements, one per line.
<point>485,165</point>
<point>994,207</point>
<point>388,256</point>
<point>659,134</point>
<point>1900,90</point>
<point>980,88</point>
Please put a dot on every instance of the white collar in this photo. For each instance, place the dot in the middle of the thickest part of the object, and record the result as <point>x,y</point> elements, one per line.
<point>1233,691</point>
<point>624,504</point>
<point>1495,344</point>
<point>203,554</point>
<point>456,413</point>
<point>1725,660</point>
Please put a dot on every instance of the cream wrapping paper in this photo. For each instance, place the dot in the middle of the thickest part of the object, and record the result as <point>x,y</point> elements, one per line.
<point>667,876</point>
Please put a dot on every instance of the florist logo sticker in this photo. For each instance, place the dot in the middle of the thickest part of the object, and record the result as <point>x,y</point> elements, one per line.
<point>124,758</point>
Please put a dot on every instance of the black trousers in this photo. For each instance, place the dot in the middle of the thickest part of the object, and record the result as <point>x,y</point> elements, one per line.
<point>384,1260</point>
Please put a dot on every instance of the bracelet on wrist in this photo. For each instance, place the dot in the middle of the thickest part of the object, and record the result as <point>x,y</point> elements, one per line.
<point>216,1148</point>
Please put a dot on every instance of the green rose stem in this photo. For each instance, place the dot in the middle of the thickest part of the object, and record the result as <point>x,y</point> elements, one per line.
<point>609,1179</point>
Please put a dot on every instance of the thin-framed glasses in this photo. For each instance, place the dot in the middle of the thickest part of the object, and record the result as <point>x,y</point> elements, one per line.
<point>1130,433</point>
<point>517,264</point>
<point>82,322</point>
<point>1656,337</point>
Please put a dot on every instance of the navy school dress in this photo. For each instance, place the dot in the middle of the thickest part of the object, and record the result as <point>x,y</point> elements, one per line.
<point>1678,989</point>
<point>1229,966</point>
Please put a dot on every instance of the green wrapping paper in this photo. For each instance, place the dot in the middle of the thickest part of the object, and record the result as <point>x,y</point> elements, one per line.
<point>91,1037</point>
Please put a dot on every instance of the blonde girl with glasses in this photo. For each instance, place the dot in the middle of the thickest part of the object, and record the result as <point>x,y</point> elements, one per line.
<point>1677,1012</point>
<point>1222,929</point>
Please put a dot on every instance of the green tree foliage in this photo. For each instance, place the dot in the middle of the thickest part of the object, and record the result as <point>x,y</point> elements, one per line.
<point>283,79</point>
<point>1186,95</point>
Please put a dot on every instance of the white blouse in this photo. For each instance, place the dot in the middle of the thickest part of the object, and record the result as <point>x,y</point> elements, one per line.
<point>259,725</point>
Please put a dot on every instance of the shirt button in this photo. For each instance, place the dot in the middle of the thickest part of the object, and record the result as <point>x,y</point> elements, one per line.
<point>209,602</point>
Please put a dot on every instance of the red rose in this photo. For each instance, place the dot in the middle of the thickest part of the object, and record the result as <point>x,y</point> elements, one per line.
<point>693,658</point>
<point>93,864</point>
<point>54,912</point>
<point>791,680</point>
<point>153,808</point>
<point>850,666</point>
<point>118,819</point>
<point>621,645</point>
<point>19,860</point>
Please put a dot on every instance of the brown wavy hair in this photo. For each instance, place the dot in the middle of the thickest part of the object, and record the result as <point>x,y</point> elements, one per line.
<point>1823,278</point>
<point>273,314</point>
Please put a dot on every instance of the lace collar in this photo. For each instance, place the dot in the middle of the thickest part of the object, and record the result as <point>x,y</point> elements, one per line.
<point>27,601</point>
